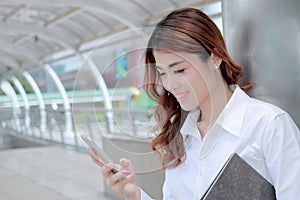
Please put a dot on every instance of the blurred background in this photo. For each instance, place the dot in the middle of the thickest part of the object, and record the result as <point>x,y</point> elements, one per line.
<point>75,67</point>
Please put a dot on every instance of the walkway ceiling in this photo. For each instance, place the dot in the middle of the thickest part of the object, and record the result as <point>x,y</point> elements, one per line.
<point>33,30</point>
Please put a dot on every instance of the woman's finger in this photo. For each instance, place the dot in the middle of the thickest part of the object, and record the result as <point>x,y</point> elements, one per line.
<point>117,180</point>
<point>124,184</point>
<point>126,164</point>
<point>96,159</point>
<point>107,170</point>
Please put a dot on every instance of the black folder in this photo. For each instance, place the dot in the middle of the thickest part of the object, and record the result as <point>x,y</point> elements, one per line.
<point>237,180</point>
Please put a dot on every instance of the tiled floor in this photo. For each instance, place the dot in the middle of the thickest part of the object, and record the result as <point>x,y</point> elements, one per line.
<point>49,173</point>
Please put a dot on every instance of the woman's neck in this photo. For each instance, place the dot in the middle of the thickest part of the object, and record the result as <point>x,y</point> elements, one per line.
<point>212,107</point>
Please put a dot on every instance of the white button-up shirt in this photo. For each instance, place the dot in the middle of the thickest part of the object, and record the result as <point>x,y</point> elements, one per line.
<point>261,133</point>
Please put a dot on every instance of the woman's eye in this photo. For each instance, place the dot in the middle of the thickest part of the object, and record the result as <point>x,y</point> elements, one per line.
<point>179,71</point>
<point>161,73</point>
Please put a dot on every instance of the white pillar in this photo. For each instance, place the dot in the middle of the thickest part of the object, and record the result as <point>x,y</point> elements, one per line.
<point>9,91</point>
<point>63,93</point>
<point>39,96</point>
<point>25,100</point>
<point>107,100</point>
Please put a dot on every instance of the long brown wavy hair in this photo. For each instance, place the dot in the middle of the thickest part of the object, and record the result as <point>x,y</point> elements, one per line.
<point>183,30</point>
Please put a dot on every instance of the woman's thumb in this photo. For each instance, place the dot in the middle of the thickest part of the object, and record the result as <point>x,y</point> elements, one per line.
<point>126,164</point>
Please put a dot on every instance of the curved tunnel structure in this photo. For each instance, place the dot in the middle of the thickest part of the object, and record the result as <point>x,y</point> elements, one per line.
<point>47,47</point>
<point>71,68</point>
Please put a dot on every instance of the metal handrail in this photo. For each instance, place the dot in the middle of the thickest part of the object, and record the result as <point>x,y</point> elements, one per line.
<point>86,120</point>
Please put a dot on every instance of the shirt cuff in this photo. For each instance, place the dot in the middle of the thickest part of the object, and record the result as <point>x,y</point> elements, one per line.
<point>144,195</point>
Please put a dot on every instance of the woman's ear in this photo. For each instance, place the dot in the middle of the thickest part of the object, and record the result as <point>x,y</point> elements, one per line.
<point>216,61</point>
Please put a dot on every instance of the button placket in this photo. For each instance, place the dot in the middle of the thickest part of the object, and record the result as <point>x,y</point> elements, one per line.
<point>201,176</point>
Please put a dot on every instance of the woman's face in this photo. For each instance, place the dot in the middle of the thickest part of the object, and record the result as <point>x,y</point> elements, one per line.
<point>187,77</point>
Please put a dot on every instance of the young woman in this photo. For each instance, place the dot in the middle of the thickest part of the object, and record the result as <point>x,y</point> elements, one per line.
<point>188,70</point>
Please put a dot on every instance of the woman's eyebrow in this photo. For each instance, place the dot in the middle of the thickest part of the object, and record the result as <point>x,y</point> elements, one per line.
<point>176,63</point>
<point>172,64</point>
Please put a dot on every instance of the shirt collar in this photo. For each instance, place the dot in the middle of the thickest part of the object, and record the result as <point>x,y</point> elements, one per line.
<point>232,116</point>
<point>230,119</point>
<point>189,126</point>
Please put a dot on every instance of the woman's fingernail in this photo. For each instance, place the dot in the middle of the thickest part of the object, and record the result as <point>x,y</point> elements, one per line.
<point>110,165</point>
<point>124,162</point>
<point>132,176</point>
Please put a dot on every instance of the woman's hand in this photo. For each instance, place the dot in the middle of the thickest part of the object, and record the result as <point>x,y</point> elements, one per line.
<point>121,182</point>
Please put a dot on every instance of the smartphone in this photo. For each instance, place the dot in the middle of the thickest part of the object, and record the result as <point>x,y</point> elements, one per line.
<point>106,159</point>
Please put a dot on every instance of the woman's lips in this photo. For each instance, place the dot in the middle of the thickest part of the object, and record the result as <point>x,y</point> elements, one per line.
<point>180,96</point>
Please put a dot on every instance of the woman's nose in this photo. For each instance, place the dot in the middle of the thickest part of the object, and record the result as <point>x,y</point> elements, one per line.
<point>171,83</point>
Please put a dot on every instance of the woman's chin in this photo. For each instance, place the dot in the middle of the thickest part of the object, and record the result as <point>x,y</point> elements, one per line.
<point>187,107</point>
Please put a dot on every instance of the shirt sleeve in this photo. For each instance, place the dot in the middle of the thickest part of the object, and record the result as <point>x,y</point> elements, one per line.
<point>282,154</point>
<point>166,192</point>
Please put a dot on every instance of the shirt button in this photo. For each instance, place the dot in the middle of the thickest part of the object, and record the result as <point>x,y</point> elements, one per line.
<point>201,171</point>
